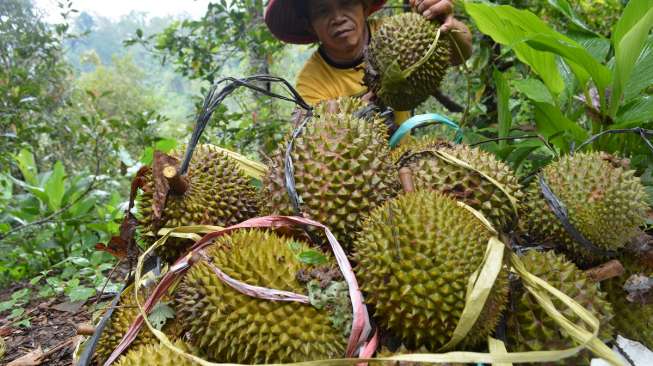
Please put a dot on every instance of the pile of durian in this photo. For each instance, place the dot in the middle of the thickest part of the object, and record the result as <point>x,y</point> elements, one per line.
<point>414,248</point>
<point>415,223</point>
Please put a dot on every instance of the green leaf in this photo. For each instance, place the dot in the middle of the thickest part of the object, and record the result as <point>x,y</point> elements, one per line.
<point>27,167</point>
<point>80,261</point>
<point>551,122</point>
<point>598,47</point>
<point>565,8</point>
<point>147,156</point>
<point>160,315</point>
<point>580,60</point>
<point>38,192</point>
<point>80,293</point>
<point>55,186</point>
<point>628,40</point>
<point>312,257</point>
<point>534,89</point>
<point>511,27</point>
<point>503,109</point>
<point>6,305</point>
<point>165,145</point>
<point>16,312</point>
<point>639,111</point>
<point>642,76</point>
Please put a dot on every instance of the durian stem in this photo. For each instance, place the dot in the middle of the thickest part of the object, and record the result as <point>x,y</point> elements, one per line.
<point>605,271</point>
<point>406,178</point>
<point>177,182</point>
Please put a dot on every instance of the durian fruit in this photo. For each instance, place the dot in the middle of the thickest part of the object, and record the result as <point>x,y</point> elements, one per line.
<point>529,327</point>
<point>399,44</point>
<point>119,323</point>
<point>342,171</point>
<point>218,194</point>
<point>156,354</point>
<point>633,320</point>
<point>605,203</point>
<point>415,257</point>
<point>236,328</point>
<point>431,172</point>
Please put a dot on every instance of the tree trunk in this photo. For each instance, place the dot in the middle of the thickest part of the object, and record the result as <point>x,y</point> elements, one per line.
<point>258,58</point>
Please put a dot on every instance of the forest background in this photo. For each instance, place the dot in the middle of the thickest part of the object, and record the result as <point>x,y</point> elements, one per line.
<point>84,103</point>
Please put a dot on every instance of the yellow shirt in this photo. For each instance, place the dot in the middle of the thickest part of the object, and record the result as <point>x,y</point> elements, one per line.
<point>321,80</point>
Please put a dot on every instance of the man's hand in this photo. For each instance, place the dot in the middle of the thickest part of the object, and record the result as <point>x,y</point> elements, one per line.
<point>436,9</point>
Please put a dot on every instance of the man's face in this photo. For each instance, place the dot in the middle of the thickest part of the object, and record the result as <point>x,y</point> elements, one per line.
<point>338,24</point>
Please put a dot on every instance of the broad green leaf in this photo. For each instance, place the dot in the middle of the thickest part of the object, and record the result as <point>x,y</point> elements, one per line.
<point>511,27</point>
<point>82,207</point>
<point>27,166</point>
<point>147,156</point>
<point>628,39</point>
<point>551,122</point>
<point>80,293</point>
<point>55,186</point>
<point>80,261</point>
<point>597,46</point>
<point>165,145</point>
<point>638,112</point>
<point>582,63</point>
<point>6,305</point>
<point>37,192</point>
<point>503,109</point>
<point>565,8</point>
<point>642,76</point>
<point>16,312</point>
<point>534,89</point>
<point>6,187</point>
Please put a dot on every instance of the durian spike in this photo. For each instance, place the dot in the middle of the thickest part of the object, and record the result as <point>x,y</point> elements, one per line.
<point>406,178</point>
<point>605,271</point>
<point>178,183</point>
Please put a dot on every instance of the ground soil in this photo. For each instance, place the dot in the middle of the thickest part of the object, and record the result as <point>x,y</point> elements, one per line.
<point>53,326</point>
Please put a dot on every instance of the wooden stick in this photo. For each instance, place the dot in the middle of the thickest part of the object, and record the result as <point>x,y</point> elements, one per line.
<point>85,329</point>
<point>406,178</point>
<point>605,271</point>
<point>178,184</point>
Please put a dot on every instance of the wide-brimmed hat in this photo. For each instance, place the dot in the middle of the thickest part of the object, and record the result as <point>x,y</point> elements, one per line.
<point>285,22</point>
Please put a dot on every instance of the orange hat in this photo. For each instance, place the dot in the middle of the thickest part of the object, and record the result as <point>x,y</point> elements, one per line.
<point>284,21</point>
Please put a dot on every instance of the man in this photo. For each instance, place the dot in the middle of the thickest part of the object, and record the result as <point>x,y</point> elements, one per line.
<point>343,31</point>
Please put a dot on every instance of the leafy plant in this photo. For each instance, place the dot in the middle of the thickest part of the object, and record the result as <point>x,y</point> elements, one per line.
<point>584,83</point>
<point>48,216</point>
<point>16,304</point>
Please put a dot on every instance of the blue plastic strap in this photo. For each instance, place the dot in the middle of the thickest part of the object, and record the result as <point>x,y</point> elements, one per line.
<point>422,120</point>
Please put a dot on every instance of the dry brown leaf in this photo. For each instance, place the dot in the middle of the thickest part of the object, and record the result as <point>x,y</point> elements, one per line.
<point>30,359</point>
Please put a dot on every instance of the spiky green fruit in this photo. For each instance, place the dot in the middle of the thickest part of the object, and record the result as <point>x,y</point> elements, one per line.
<point>156,354</point>
<point>399,44</point>
<point>605,202</point>
<point>530,328</point>
<point>233,327</point>
<point>633,320</point>
<point>342,171</point>
<point>121,319</point>
<point>415,257</point>
<point>218,194</point>
<point>432,172</point>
